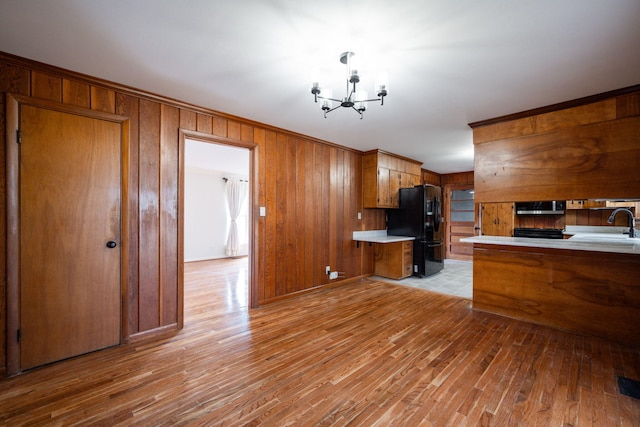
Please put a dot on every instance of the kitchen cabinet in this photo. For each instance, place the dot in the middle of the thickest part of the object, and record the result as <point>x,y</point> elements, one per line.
<point>497,219</point>
<point>393,260</point>
<point>586,291</point>
<point>599,204</point>
<point>585,204</point>
<point>384,174</point>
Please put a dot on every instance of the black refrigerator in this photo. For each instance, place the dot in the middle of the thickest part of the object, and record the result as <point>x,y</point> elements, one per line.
<point>420,216</point>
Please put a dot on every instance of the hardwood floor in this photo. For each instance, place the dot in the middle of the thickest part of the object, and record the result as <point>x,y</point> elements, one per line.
<point>368,353</point>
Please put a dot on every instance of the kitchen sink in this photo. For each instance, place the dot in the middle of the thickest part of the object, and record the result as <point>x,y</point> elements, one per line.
<point>605,238</point>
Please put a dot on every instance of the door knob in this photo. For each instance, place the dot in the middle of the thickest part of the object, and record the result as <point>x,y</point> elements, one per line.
<point>111,244</point>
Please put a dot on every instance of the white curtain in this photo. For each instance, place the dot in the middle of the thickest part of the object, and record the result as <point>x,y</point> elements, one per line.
<point>236,192</point>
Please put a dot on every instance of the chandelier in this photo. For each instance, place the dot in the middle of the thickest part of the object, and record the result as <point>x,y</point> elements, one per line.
<point>355,99</point>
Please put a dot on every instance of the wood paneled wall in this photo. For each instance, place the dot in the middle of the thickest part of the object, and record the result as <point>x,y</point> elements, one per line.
<point>457,179</point>
<point>579,152</point>
<point>312,191</point>
<point>429,177</point>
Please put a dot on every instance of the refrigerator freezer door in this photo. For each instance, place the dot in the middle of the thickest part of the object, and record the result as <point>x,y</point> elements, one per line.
<point>427,258</point>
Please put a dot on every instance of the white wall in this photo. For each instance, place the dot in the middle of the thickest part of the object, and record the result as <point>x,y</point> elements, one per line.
<point>206,215</point>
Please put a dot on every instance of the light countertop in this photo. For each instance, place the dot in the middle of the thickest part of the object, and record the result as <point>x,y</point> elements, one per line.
<point>378,236</point>
<point>627,246</point>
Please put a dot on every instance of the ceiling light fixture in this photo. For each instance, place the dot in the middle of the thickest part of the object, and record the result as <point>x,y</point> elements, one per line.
<point>353,99</point>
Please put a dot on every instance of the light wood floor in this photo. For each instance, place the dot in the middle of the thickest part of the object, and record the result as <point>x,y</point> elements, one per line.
<point>368,353</point>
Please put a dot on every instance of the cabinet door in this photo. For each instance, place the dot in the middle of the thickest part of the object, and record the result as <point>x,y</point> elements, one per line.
<point>395,183</point>
<point>409,180</point>
<point>497,219</point>
<point>393,260</point>
<point>384,195</point>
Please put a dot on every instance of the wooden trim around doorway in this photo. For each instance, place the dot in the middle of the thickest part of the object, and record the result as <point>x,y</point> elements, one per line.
<point>254,207</point>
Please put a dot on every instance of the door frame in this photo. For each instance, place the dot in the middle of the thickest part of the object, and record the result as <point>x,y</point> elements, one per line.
<point>13,103</point>
<point>253,206</point>
<point>447,190</point>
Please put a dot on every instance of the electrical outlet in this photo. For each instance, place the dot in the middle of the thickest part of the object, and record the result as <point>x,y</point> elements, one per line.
<point>327,269</point>
<point>333,275</point>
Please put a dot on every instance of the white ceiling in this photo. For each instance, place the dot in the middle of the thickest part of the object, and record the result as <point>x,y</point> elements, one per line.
<point>450,62</point>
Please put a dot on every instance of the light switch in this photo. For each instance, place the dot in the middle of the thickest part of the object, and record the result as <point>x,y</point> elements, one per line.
<point>263,211</point>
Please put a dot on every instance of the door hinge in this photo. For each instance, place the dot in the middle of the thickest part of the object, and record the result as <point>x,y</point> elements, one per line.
<point>19,136</point>
<point>19,336</point>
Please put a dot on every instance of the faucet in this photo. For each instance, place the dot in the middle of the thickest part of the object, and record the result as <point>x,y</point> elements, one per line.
<point>632,221</point>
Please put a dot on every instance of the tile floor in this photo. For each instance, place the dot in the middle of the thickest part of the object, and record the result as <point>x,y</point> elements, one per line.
<point>456,278</point>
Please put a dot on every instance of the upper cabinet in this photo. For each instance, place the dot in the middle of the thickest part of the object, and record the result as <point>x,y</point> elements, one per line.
<point>384,174</point>
<point>600,204</point>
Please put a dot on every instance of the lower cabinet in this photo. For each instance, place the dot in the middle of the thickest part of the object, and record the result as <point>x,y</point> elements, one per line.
<point>393,260</point>
<point>595,293</point>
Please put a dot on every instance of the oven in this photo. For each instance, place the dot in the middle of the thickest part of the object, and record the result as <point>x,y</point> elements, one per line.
<point>539,233</point>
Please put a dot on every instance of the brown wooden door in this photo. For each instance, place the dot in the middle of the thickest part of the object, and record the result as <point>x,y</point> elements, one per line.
<point>70,208</point>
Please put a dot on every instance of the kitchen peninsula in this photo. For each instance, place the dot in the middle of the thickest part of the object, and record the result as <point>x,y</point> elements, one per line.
<point>584,287</point>
<point>579,150</point>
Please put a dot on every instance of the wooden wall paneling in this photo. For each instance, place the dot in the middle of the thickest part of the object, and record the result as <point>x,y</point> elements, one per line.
<point>219,126</point>
<point>570,216</point>
<point>374,219</point>
<point>591,161</point>
<point>170,264</point>
<point>234,129</point>
<point>347,216</point>
<point>149,243</point>
<point>128,106</point>
<point>14,79</point>
<point>355,196</point>
<point>300,217</point>
<point>458,178</point>
<point>272,219</point>
<point>628,105</point>
<point>188,119</point>
<point>76,93</point>
<point>429,177</point>
<point>498,131</point>
<point>325,218</point>
<point>281,273</point>
<point>103,99</point>
<point>576,116</point>
<point>246,133</point>
<point>320,207</point>
<point>46,86</point>
<point>311,263</point>
<point>259,230</point>
<point>3,238</point>
<point>332,202</point>
<point>339,208</point>
<point>203,123</point>
<point>291,250</point>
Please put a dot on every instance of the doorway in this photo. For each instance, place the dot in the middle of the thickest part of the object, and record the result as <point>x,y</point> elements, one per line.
<point>64,193</point>
<point>461,221</point>
<point>209,165</point>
